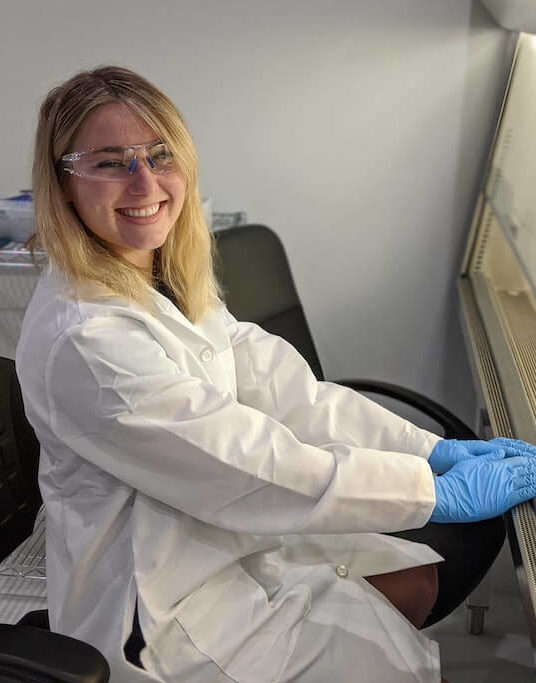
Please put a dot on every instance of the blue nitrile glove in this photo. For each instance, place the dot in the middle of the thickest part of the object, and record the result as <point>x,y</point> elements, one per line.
<point>448,452</point>
<point>484,487</point>
<point>520,447</point>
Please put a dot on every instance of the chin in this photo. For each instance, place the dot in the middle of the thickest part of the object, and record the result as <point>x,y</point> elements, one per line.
<point>146,242</point>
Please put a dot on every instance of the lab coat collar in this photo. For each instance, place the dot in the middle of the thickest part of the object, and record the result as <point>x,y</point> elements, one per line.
<point>210,328</point>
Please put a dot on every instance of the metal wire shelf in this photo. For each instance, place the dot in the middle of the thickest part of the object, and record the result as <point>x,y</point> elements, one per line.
<point>23,576</point>
<point>20,258</point>
<point>28,561</point>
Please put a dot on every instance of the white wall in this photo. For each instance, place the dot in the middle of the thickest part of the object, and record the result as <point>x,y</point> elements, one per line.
<point>357,130</point>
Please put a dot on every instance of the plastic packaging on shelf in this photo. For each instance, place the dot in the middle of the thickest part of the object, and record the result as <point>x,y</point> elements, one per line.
<point>17,217</point>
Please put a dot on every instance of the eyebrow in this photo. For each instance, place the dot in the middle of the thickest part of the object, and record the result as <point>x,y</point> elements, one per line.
<point>111,149</point>
<point>115,149</point>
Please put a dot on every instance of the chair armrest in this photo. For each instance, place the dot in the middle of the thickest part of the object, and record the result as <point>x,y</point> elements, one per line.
<point>454,428</point>
<point>32,654</point>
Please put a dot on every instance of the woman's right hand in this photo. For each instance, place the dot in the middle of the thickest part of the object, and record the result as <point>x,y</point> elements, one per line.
<point>484,487</point>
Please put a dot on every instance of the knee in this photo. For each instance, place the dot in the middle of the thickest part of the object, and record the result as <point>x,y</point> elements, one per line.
<point>412,591</point>
<point>429,587</point>
<point>422,590</point>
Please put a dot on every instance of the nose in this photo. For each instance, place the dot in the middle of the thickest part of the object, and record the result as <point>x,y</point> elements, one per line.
<point>143,180</point>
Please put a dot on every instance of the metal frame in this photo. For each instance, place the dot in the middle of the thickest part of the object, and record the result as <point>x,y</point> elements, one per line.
<point>23,576</point>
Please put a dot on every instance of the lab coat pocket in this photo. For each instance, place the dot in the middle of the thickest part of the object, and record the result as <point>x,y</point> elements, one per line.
<point>231,622</point>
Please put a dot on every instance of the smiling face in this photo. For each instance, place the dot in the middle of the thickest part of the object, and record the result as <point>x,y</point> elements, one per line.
<point>134,215</point>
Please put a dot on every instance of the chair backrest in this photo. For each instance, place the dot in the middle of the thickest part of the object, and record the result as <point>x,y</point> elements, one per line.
<point>20,498</point>
<point>258,286</point>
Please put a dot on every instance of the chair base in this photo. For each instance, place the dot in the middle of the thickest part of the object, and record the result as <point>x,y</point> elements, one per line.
<point>474,619</point>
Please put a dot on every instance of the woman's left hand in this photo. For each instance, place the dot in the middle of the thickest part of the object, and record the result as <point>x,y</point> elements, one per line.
<point>448,452</point>
<point>520,447</point>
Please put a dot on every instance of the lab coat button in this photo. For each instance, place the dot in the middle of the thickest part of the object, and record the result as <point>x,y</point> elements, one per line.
<point>342,571</point>
<point>207,354</point>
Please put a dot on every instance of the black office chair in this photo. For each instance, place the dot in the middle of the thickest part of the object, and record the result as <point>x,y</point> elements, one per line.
<point>258,287</point>
<point>29,652</point>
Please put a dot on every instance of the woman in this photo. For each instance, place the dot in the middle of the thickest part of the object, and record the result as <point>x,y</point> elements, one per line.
<point>178,445</point>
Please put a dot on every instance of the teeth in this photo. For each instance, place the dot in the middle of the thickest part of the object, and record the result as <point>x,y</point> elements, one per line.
<point>141,213</point>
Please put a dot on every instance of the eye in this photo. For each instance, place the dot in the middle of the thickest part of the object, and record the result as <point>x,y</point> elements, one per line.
<point>161,153</point>
<point>110,163</point>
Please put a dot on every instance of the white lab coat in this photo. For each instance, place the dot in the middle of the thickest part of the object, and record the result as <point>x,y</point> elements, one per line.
<point>174,457</point>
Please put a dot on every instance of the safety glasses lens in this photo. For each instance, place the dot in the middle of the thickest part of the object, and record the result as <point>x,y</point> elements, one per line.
<point>118,163</point>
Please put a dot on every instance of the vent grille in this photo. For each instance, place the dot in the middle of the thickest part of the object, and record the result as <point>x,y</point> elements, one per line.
<point>483,238</point>
<point>489,380</point>
<point>518,313</point>
<point>523,516</point>
<point>496,173</point>
<point>525,352</point>
<point>525,525</point>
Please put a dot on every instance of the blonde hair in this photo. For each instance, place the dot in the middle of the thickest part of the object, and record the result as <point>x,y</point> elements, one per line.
<point>184,262</point>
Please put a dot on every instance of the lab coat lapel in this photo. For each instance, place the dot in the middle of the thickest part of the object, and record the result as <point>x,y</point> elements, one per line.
<point>208,336</point>
<point>209,330</point>
<point>172,317</point>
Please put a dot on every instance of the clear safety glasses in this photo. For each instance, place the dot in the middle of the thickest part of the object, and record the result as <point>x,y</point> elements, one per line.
<point>118,163</point>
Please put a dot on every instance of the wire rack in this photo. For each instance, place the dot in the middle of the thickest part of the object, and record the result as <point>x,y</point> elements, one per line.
<point>16,256</point>
<point>18,278</point>
<point>23,576</point>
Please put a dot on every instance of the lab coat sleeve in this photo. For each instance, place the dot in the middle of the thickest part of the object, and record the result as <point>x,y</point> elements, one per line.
<point>274,378</point>
<point>118,401</point>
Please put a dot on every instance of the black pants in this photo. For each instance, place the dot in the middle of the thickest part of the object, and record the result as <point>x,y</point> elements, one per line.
<point>469,551</point>
<point>135,642</point>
